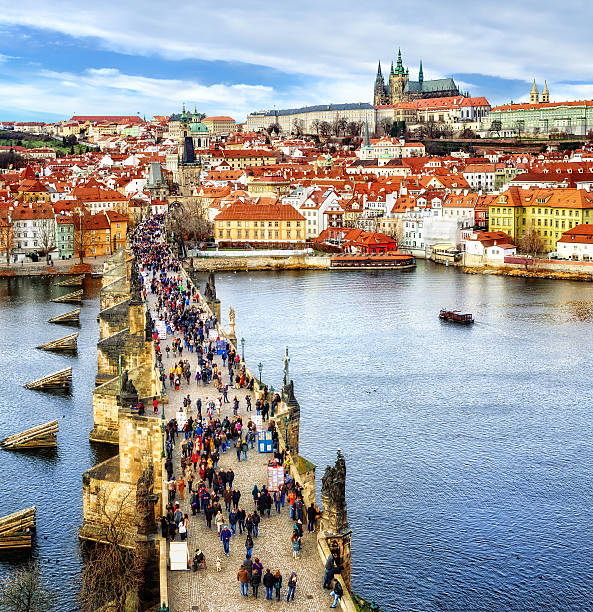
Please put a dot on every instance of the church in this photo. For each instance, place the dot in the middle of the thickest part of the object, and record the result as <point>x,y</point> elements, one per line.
<point>399,88</point>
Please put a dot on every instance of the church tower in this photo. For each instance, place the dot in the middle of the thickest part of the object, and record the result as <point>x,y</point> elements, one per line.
<point>380,97</point>
<point>421,74</point>
<point>534,94</point>
<point>545,93</point>
<point>398,80</point>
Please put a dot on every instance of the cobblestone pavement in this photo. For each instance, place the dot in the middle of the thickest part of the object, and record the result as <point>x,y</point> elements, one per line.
<point>208,590</point>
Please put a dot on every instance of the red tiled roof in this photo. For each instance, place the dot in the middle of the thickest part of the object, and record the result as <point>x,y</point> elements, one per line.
<point>259,212</point>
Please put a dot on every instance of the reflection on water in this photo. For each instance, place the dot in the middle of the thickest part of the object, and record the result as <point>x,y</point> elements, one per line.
<point>49,478</point>
<point>469,456</point>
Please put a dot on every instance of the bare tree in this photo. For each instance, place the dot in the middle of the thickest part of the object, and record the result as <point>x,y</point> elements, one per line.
<point>299,127</point>
<point>47,237</point>
<point>325,128</point>
<point>531,243</point>
<point>188,220</point>
<point>340,125</point>
<point>113,571</point>
<point>6,233</point>
<point>316,125</point>
<point>23,591</point>
<point>385,126</point>
<point>82,237</point>
<point>354,127</point>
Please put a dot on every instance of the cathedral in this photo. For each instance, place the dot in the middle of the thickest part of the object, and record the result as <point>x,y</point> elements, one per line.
<point>399,88</point>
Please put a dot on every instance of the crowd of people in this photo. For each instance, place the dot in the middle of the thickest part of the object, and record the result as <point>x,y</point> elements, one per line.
<point>202,439</point>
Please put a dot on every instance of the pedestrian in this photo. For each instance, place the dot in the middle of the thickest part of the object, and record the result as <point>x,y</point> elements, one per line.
<point>181,487</point>
<point>278,584</point>
<point>255,580</point>
<point>255,519</point>
<point>292,582</point>
<point>225,538</point>
<point>336,593</point>
<point>296,545</point>
<point>248,546</point>
<point>219,521</point>
<point>238,446</point>
<point>172,487</point>
<point>183,524</point>
<point>244,448</point>
<point>330,568</point>
<point>269,581</point>
<point>243,578</point>
<point>312,513</point>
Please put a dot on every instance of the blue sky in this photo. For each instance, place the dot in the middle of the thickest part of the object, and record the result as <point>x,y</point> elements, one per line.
<point>64,57</point>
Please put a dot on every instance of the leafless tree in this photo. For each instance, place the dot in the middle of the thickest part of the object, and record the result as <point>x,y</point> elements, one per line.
<point>23,591</point>
<point>113,571</point>
<point>47,237</point>
<point>188,220</point>
<point>495,126</point>
<point>298,127</point>
<point>354,127</point>
<point>82,236</point>
<point>325,128</point>
<point>316,126</point>
<point>531,243</point>
<point>6,233</point>
<point>385,126</point>
<point>340,125</point>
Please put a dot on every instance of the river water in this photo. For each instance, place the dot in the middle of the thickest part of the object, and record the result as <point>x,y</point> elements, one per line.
<point>468,450</point>
<point>48,479</point>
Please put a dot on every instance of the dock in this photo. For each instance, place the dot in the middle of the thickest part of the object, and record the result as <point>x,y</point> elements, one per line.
<point>16,530</point>
<point>42,436</point>
<point>57,380</point>
<point>67,344</point>
<point>73,281</point>
<point>72,317</point>
<point>70,298</point>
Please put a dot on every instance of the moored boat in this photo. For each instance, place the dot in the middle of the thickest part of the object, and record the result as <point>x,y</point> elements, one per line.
<point>391,259</point>
<point>456,316</point>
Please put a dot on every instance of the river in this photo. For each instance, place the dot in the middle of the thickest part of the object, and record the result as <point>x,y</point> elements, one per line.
<point>468,449</point>
<point>49,479</point>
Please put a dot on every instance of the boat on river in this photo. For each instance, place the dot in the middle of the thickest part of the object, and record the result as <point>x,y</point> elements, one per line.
<point>456,316</point>
<point>392,259</point>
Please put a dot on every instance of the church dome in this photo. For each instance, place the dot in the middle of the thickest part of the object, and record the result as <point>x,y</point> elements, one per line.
<point>198,128</point>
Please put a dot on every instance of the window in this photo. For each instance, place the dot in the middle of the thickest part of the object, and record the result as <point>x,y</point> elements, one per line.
<point>298,233</point>
<point>238,233</point>
<point>255,234</point>
<point>269,224</point>
<point>238,223</point>
<point>228,234</point>
<point>288,233</point>
<point>276,234</point>
<point>275,223</point>
<point>246,233</point>
<point>288,224</point>
<point>228,224</point>
<point>220,233</point>
<point>255,224</point>
<point>298,224</point>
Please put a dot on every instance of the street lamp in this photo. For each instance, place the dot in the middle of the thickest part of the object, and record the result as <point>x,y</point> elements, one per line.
<point>271,401</point>
<point>260,367</point>
<point>243,350</point>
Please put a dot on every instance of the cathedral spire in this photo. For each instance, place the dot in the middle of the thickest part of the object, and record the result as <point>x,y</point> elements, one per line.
<point>421,74</point>
<point>367,138</point>
<point>392,68</point>
<point>399,69</point>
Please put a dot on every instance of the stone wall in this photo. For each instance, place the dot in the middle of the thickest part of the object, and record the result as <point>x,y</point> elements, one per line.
<point>294,262</point>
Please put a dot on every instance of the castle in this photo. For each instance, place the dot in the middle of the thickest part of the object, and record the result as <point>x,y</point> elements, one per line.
<point>399,88</point>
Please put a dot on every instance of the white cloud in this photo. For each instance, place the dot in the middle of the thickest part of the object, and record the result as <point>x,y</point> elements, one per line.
<point>337,42</point>
<point>107,90</point>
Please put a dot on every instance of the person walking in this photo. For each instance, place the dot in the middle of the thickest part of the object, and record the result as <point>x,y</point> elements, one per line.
<point>255,580</point>
<point>225,538</point>
<point>255,519</point>
<point>336,593</point>
<point>269,581</point>
<point>278,584</point>
<point>243,578</point>
<point>296,545</point>
<point>181,487</point>
<point>292,582</point>
<point>248,546</point>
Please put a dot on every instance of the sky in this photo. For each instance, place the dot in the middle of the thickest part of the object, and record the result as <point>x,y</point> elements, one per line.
<point>64,57</point>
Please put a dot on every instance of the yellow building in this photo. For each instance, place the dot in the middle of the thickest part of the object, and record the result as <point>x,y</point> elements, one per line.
<point>220,125</point>
<point>260,226</point>
<point>268,186</point>
<point>550,212</point>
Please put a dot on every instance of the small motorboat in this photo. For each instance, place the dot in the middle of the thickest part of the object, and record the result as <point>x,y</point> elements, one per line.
<point>456,316</point>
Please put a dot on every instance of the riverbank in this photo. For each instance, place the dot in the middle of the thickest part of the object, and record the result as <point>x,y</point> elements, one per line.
<point>59,269</point>
<point>528,273</point>
<point>230,264</point>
